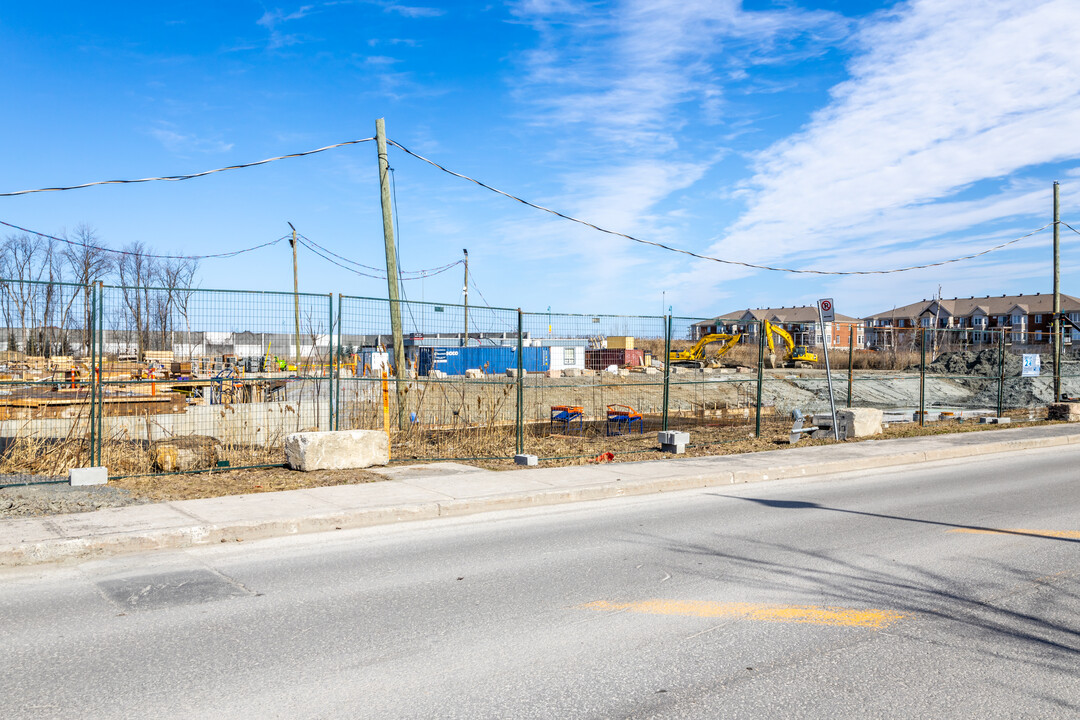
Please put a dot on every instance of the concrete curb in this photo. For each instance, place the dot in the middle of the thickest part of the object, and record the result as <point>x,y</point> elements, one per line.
<point>80,548</point>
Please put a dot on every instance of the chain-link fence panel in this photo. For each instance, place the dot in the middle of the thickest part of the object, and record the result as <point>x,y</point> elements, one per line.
<point>456,396</point>
<point>602,390</point>
<point>714,388</point>
<point>45,380</point>
<point>198,379</point>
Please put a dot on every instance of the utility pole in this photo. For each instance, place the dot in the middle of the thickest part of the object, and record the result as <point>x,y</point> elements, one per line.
<point>465,340</point>
<point>296,296</point>
<point>1057,299</point>
<point>391,265</point>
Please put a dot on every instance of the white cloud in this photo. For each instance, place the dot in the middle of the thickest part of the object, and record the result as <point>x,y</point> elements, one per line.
<point>181,143</point>
<point>943,96</point>
<point>415,12</point>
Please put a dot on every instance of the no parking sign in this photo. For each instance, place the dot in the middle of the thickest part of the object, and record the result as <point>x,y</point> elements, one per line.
<point>827,312</point>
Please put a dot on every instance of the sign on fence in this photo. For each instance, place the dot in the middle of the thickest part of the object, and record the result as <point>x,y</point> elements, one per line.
<point>1032,365</point>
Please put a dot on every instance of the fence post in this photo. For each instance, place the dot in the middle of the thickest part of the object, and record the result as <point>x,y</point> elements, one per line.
<point>667,368</point>
<point>519,445</point>
<point>760,376</point>
<point>101,371</point>
<point>850,361</point>
<point>337,383</point>
<point>91,335</point>
<point>922,378</point>
<point>1001,372</point>
<point>330,364</point>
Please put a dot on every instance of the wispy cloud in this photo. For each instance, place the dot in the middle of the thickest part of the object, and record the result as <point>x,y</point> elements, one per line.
<point>415,12</point>
<point>618,86</point>
<point>942,97</point>
<point>271,19</point>
<point>186,143</point>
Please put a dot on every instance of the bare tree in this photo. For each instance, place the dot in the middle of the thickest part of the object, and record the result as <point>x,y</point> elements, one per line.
<point>137,272</point>
<point>175,275</point>
<point>88,261</point>
<point>30,266</point>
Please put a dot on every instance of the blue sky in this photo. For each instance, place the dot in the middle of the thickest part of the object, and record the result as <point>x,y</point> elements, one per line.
<point>834,135</point>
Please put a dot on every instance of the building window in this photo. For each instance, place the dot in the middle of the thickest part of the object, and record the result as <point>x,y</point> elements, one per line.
<point>1038,318</point>
<point>569,357</point>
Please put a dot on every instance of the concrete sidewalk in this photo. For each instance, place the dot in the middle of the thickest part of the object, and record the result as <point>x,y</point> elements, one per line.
<point>447,490</point>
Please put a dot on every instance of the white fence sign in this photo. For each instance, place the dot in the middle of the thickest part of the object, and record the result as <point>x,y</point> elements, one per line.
<point>1032,366</point>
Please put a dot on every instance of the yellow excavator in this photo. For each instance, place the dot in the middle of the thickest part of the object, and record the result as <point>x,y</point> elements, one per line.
<point>695,356</point>
<point>794,355</point>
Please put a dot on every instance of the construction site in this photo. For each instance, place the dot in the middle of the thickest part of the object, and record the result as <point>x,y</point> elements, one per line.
<point>224,377</point>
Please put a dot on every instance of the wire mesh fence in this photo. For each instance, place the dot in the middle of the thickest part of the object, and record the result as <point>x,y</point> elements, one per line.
<point>150,380</point>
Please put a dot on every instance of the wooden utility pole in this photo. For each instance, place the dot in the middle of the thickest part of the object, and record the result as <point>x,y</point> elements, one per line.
<point>296,296</point>
<point>391,266</point>
<point>465,340</point>
<point>1057,300</point>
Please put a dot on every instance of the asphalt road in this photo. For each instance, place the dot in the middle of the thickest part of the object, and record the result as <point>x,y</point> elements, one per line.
<point>887,595</point>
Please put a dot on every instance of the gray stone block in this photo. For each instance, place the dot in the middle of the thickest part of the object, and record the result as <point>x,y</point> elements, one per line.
<point>987,420</point>
<point>673,441</point>
<point>526,460</point>
<point>88,476</point>
<point>859,422</point>
<point>337,450</point>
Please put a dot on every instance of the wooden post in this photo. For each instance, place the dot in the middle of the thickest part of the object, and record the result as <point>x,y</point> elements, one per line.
<point>391,267</point>
<point>296,297</point>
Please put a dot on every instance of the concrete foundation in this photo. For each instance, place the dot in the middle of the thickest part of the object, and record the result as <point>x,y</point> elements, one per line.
<point>337,450</point>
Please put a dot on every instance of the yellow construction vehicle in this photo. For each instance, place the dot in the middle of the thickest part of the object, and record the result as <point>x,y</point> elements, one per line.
<point>794,355</point>
<point>695,356</point>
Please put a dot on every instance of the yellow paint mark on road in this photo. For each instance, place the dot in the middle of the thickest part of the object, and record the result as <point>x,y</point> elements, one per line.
<point>812,614</point>
<point>1068,534</point>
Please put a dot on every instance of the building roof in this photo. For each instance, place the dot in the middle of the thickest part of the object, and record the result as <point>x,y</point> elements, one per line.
<point>988,305</point>
<point>800,314</point>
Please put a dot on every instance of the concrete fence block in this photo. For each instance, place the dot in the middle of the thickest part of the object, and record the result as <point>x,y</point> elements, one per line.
<point>673,441</point>
<point>572,372</point>
<point>1068,411</point>
<point>554,373</point>
<point>88,476</point>
<point>337,450</point>
<point>859,422</point>
<point>526,460</point>
<point>474,374</point>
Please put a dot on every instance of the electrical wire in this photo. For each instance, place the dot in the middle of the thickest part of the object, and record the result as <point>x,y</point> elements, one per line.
<point>419,273</point>
<point>325,255</point>
<point>76,243</point>
<point>1062,222</point>
<point>177,178</point>
<point>699,256</point>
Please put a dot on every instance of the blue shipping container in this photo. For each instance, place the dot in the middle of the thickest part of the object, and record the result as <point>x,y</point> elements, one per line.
<point>492,360</point>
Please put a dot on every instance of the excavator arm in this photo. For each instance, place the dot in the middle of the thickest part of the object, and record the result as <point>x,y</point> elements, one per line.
<point>695,356</point>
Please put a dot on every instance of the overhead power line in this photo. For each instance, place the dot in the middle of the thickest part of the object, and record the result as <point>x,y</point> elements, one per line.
<point>710,258</point>
<point>76,243</point>
<point>176,178</point>
<point>329,256</point>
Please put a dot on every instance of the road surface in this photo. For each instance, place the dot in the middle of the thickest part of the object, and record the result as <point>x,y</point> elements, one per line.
<point>942,590</point>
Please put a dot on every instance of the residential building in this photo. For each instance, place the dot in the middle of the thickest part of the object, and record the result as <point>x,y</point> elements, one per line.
<point>1026,320</point>
<point>801,322</point>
